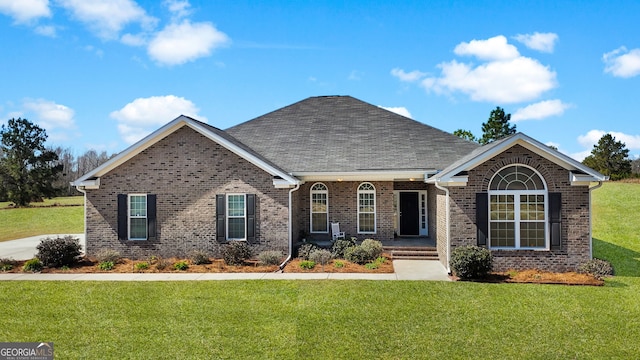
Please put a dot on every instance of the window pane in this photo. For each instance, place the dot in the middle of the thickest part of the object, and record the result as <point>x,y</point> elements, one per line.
<point>502,234</point>
<point>236,205</point>
<point>319,222</point>
<point>532,234</point>
<point>138,205</point>
<point>319,203</point>
<point>236,228</point>
<point>367,222</point>
<point>138,228</point>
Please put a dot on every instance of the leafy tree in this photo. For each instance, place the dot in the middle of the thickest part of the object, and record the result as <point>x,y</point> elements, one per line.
<point>497,126</point>
<point>609,157</point>
<point>27,168</point>
<point>635,167</point>
<point>465,134</point>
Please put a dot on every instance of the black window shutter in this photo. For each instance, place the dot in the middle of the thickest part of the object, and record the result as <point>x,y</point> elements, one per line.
<point>220,218</point>
<point>251,218</point>
<point>482,218</point>
<point>122,217</point>
<point>555,219</point>
<point>151,216</point>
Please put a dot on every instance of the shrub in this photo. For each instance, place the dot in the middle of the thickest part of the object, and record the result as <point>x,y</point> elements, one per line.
<point>597,267</point>
<point>270,257</point>
<point>161,263</point>
<point>236,253</point>
<point>305,250</point>
<point>366,252</point>
<point>371,266</point>
<point>108,255</point>
<point>33,265</point>
<point>141,266</point>
<point>106,265</point>
<point>321,256</point>
<point>338,264</point>
<point>340,246</point>
<point>199,257</point>
<point>7,264</point>
<point>60,251</point>
<point>181,265</point>
<point>471,262</point>
<point>307,264</point>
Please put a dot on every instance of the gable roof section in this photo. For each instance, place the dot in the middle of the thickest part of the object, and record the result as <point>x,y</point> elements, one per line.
<point>282,179</point>
<point>343,135</point>
<point>453,174</point>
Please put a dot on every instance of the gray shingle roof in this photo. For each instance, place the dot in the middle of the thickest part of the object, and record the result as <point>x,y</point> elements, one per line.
<point>344,134</point>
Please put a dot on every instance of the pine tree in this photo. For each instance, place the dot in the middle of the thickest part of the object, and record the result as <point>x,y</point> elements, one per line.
<point>27,168</point>
<point>609,157</point>
<point>497,126</point>
<point>465,134</point>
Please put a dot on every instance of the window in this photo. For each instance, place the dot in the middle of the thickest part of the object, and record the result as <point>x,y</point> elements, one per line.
<point>138,217</point>
<point>236,217</point>
<point>319,208</point>
<point>366,208</point>
<point>517,209</point>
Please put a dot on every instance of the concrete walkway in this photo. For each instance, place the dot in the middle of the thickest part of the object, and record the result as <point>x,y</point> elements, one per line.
<point>24,249</point>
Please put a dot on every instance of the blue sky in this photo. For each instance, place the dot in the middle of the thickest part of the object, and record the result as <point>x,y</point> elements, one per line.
<point>101,74</point>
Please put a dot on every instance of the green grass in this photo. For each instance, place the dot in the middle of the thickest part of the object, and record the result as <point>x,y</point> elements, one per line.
<point>345,319</point>
<point>65,200</point>
<point>41,220</point>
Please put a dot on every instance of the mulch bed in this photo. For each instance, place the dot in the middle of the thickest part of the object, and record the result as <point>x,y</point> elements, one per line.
<point>347,267</point>
<point>534,276</point>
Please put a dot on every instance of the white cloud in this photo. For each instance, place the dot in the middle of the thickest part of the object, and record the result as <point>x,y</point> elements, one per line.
<point>180,43</point>
<point>622,62</point>
<point>45,30</point>
<point>50,115</point>
<point>134,40</point>
<point>179,8</point>
<point>505,81</point>
<point>591,138</point>
<point>108,17</point>
<point>140,117</point>
<point>540,110</point>
<point>412,76</point>
<point>25,11</point>
<point>544,42</point>
<point>495,48</point>
<point>400,110</point>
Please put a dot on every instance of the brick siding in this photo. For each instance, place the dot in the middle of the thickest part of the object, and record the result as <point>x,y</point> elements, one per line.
<point>575,214</point>
<point>185,170</point>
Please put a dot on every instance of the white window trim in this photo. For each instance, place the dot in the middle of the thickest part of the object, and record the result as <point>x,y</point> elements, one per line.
<point>311,212</point>
<point>130,216</point>
<point>516,220</point>
<point>375,210</point>
<point>227,217</point>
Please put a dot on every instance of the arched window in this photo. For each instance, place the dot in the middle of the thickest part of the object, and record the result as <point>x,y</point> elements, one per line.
<point>366,208</point>
<point>517,209</point>
<point>319,208</point>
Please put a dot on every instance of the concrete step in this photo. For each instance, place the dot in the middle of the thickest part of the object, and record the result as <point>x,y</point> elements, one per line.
<point>412,253</point>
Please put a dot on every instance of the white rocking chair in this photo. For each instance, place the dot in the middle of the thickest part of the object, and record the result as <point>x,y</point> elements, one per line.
<point>336,233</point>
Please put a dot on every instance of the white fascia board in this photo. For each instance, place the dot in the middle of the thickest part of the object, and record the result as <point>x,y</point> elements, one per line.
<point>452,181</point>
<point>584,179</point>
<point>88,184</point>
<point>416,175</point>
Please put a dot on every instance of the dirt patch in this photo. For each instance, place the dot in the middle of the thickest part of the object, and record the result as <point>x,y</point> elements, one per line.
<point>535,276</point>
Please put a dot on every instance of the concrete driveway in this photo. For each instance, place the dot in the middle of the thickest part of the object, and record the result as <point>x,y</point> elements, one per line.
<point>24,249</point>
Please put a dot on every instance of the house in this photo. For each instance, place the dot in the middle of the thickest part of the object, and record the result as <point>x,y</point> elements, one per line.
<point>290,173</point>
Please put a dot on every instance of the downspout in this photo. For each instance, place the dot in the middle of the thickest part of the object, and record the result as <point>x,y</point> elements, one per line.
<point>84,195</point>
<point>290,227</point>
<point>446,191</point>
<point>590,220</point>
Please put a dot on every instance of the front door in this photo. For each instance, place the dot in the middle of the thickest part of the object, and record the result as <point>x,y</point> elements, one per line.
<point>409,213</point>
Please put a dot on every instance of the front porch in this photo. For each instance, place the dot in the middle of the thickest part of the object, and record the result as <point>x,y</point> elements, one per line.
<point>407,248</point>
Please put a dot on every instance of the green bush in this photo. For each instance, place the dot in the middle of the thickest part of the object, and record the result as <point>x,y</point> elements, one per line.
<point>7,264</point>
<point>141,266</point>
<point>108,255</point>
<point>338,264</point>
<point>320,256</point>
<point>33,265</point>
<point>597,267</point>
<point>181,265</point>
<point>270,257</point>
<point>199,257</point>
<point>305,250</point>
<point>307,264</point>
<point>371,266</point>
<point>471,262</point>
<point>60,251</point>
<point>106,265</point>
<point>340,246</point>
<point>366,252</point>
<point>236,253</point>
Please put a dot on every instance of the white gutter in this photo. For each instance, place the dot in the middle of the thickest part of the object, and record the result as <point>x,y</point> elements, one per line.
<point>446,191</point>
<point>290,227</point>
<point>590,227</point>
<point>84,195</point>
